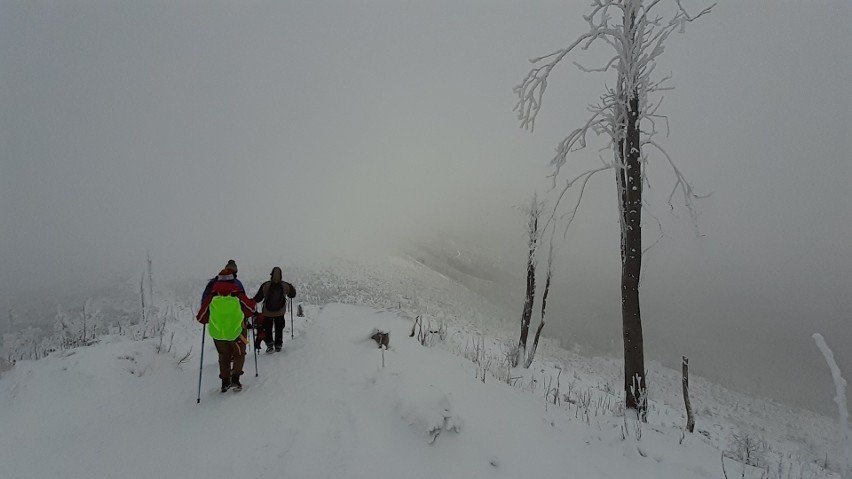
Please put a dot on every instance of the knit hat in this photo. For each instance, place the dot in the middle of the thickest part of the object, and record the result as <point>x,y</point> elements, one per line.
<point>231,266</point>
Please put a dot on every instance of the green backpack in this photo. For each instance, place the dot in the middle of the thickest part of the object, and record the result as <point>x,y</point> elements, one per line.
<point>226,318</point>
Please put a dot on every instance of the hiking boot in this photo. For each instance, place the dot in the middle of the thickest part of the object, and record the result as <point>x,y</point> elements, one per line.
<point>235,383</point>
<point>226,384</point>
<point>277,349</point>
<point>269,349</point>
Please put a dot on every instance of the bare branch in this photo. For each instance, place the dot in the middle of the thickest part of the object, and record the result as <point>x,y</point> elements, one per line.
<point>576,140</point>
<point>601,69</point>
<point>185,357</point>
<point>681,184</point>
<point>531,90</point>
<point>696,17</point>
<point>659,228</point>
<point>585,177</point>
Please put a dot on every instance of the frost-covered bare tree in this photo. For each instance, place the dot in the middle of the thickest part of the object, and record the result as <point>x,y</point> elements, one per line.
<point>627,116</point>
<point>533,212</point>
<point>547,279</point>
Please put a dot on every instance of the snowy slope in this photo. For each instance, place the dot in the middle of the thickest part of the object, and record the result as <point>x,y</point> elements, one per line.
<point>325,407</point>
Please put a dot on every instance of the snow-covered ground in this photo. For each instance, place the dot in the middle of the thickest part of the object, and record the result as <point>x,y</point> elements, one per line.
<point>327,406</point>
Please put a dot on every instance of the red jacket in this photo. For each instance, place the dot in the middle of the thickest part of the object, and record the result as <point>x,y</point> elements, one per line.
<point>225,284</point>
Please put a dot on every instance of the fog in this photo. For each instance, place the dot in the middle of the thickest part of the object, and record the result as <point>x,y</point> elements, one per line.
<point>202,131</point>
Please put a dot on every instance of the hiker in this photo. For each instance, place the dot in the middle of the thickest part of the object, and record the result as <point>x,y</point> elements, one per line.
<point>274,294</point>
<point>260,334</point>
<point>224,307</point>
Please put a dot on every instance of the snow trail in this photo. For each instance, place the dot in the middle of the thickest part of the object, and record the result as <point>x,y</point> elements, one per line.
<point>324,407</point>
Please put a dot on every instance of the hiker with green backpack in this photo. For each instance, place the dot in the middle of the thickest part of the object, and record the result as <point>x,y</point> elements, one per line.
<point>224,309</point>
<point>274,294</point>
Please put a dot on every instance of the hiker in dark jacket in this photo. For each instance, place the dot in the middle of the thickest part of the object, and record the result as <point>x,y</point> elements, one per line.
<point>274,294</point>
<point>224,307</point>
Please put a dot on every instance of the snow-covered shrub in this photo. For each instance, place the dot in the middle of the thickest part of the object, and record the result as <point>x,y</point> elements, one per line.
<point>428,333</point>
<point>748,448</point>
<point>511,351</point>
<point>427,409</point>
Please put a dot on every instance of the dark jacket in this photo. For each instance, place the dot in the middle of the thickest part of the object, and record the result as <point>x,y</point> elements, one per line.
<point>263,293</point>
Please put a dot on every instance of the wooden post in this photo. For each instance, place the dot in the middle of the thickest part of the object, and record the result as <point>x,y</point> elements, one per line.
<point>690,419</point>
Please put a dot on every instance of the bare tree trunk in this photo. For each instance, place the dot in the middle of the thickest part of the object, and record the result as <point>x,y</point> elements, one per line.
<point>529,299</point>
<point>531,355</point>
<point>690,419</point>
<point>634,354</point>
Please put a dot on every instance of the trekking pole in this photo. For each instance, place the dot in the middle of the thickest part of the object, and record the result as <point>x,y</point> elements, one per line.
<point>254,343</point>
<point>201,365</point>
<point>292,324</point>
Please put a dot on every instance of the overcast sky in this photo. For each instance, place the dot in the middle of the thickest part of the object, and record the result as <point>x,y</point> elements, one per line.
<point>203,131</point>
